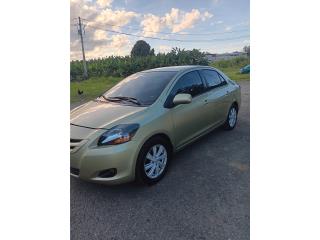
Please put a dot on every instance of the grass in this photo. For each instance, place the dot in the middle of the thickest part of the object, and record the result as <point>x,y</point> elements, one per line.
<point>94,86</point>
<point>91,88</point>
<point>232,67</point>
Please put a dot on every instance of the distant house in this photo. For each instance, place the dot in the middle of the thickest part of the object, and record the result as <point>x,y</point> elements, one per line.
<point>213,57</point>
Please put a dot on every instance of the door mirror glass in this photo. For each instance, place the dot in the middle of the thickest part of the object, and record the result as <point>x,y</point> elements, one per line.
<point>182,98</point>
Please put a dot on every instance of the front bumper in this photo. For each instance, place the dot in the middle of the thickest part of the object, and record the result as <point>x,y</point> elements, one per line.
<point>90,161</point>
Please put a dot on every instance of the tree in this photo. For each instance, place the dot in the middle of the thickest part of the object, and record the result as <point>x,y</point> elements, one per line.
<point>246,49</point>
<point>140,49</point>
<point>152,52</point>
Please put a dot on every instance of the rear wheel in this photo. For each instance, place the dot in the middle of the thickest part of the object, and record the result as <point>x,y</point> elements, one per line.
<point>232,118</point>
<point>153,160</point>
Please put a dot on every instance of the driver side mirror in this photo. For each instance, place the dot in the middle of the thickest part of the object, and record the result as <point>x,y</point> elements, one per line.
<point>182,98</point>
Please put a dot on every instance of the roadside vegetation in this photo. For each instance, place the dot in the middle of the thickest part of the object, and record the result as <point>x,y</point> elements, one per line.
<point>106,72</point>
<point>232,68</point>
<point>125,66</point>
<point>91,88</point>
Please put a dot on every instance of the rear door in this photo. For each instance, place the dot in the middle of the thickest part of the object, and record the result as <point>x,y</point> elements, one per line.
<point>218,95</point>
<point>189,119</point>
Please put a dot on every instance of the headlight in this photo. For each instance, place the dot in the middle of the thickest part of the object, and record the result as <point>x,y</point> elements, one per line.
<point>119,134</point>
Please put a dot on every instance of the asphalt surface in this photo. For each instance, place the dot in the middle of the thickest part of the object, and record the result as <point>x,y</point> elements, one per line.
<point>205,194</point>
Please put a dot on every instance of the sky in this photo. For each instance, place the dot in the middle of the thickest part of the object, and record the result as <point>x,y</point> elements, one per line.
<point>214,26</point>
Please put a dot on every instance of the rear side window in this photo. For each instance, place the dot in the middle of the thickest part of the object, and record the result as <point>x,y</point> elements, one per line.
<point>189,83</point>
<point>212,78</point>
<point>222,78</point>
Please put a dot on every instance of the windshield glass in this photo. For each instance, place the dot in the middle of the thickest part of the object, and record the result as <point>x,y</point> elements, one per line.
<point>145,87</point>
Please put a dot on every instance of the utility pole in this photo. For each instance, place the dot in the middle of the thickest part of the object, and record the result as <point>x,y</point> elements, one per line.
<point>85,72</point>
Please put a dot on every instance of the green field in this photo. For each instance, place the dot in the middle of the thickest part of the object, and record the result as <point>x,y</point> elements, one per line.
<point>231,68</point>
<point>91,88</point>
<point>94,86</point>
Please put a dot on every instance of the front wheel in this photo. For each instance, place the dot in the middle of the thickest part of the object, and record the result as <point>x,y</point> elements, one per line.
<point>153,160</point>
<point>232,118</point>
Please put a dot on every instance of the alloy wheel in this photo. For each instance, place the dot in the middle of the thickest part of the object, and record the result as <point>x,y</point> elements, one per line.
<point>155,161</point>
<point>232,117</point>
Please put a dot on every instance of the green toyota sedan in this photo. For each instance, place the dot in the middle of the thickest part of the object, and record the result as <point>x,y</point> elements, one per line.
<point>132,130</point>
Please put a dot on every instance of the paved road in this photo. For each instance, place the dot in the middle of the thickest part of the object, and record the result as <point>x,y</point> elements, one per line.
<point>205,194</point>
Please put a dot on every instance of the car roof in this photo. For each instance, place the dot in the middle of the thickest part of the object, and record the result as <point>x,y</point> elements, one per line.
<point>176,68</point>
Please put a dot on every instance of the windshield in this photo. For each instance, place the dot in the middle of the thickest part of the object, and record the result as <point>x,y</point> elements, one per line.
<point>145,87</point>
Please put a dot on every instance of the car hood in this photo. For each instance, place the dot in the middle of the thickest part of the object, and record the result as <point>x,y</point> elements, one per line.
<point>95,114</point>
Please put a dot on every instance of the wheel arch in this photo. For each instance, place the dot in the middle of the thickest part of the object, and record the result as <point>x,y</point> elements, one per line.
<point>159,134</point>
<point>162,135</point>
<point>235,103</point>
<point>148,138</point>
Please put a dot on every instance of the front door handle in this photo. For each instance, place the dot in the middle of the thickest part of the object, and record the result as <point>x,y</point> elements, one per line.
<point>206,101</point>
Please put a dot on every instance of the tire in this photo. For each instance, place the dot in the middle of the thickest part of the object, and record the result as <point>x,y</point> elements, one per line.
<point>232,118</point>
<point>159,165</point>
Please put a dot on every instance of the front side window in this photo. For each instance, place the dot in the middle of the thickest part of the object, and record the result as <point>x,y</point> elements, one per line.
<point>189,83</point>
<point>145,87</point>
<point>212,78</point>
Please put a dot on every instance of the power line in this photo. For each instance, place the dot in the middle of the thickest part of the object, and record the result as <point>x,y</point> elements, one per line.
<point>168,39</point>
<point>171,33</point>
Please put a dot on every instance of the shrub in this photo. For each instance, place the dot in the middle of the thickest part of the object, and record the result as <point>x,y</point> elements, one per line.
<point>117,66</point>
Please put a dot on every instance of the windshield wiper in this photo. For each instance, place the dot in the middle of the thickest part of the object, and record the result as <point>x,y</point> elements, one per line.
<point>104,97</point>
<point>121,98</point>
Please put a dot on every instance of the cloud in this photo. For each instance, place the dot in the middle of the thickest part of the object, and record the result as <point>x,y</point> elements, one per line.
<point>104,3</point>
<point>172,17</point>
<point>188,20</point>
<point>176,20</point>
<point>98,15</point>
<point>100,35</point>
<point>116,45</point>
<point>97,42</point>
<point>118,17</point>
<point>206,15</point>
<point>119,41</point>
<point>98,51</point>
<point>82,8</point>
<point>164,48</point>
<point>151,24</point>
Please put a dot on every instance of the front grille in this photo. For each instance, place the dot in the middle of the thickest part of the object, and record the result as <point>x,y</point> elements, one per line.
<point>74,171</point>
